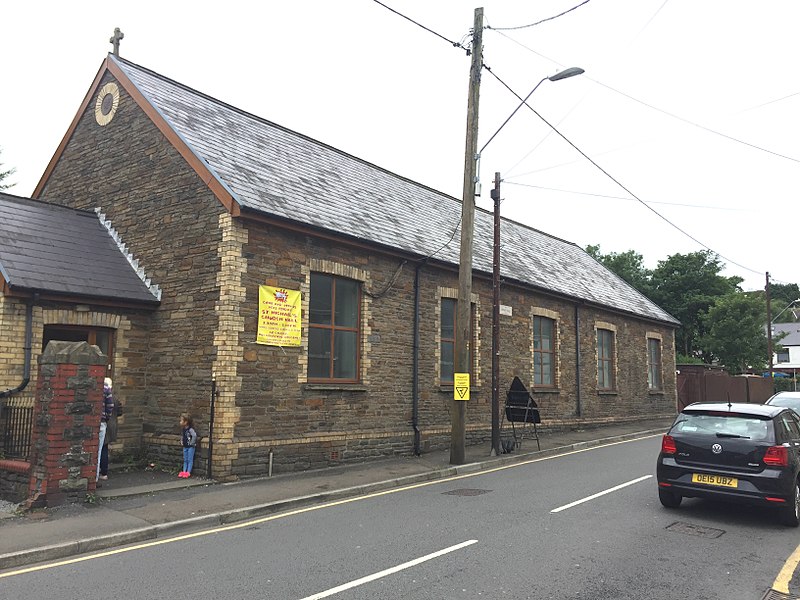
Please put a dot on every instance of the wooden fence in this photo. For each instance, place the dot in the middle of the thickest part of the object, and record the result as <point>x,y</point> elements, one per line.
<point>706,383</point>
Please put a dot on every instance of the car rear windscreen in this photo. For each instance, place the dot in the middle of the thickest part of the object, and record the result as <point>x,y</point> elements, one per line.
<point>724,423</point>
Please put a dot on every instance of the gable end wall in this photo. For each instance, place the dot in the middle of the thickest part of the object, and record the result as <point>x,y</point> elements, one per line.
<point>169,220</point>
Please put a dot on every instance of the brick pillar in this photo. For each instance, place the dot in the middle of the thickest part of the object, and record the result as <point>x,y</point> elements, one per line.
<point>69,399</point>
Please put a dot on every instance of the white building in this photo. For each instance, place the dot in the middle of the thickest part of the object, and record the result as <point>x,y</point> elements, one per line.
<point>788,358</point>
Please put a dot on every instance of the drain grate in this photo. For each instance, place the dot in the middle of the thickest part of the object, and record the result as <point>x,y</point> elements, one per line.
<point>690,529</point>
<point>466,492</point>
<point>776,595</point>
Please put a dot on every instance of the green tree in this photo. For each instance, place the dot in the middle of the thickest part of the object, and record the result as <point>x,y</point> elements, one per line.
<point>628,265</point>
<point>5,175</point>
<point>686,286</point>
<point>781,296</point>
<point>734,332</point>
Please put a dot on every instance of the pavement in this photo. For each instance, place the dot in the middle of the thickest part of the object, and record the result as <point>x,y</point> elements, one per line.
<point>137,505</point>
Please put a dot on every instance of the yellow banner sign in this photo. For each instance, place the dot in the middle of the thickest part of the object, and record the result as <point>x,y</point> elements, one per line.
<point>461,386</point>
<point>279,322</point>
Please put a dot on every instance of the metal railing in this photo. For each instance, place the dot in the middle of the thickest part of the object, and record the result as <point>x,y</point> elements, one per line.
<point>17,423</point>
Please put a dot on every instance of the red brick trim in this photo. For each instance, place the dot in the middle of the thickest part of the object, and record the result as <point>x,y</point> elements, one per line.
<point>15,466</point>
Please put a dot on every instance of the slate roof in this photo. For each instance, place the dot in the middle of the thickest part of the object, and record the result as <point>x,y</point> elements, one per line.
<point>50,248</point>
<point>278,172</point>
<point>793,331</point>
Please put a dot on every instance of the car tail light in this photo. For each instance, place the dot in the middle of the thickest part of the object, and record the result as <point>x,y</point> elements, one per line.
<point>668,445</point>
<point>777,456</point>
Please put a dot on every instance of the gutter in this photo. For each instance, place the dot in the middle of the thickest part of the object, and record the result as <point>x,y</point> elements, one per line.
<point>26,371</point>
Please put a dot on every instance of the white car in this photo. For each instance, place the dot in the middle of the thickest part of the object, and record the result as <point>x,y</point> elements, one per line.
<point>789,399</point>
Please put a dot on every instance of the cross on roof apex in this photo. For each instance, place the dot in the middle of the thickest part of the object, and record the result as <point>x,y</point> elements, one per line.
<point>115,40</point>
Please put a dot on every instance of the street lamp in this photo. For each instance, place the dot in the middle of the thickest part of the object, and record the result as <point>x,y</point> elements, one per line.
<point>565,74</point>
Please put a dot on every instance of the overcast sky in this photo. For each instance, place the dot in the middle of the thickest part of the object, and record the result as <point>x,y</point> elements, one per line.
<point>692,105</point>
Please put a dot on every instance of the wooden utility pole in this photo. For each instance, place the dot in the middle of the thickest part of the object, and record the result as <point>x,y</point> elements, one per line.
<point>769,330</point>
<point>458,408</point>
<point>496,320</point>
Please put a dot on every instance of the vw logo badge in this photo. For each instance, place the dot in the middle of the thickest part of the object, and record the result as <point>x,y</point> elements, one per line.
<point>716,449</point>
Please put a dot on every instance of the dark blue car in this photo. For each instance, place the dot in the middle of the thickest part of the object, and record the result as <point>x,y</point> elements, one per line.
<point>746,453</point>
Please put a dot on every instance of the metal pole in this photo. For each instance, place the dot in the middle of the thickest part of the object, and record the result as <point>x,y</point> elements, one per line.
<point>211,427</point>
<point>458,408</point>
<point>769,331</point>
<point>496,320</point>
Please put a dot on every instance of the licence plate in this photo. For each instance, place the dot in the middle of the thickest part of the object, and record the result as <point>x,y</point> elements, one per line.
<point>720,480</point>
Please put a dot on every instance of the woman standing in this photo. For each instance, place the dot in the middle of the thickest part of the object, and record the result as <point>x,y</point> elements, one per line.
<point>107,416</point>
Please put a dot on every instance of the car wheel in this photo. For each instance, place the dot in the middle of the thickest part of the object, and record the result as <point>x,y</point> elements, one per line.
<point>669,499</point>
<point>791,514</point>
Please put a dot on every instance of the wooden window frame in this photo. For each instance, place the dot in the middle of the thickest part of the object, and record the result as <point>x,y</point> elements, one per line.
<point>452,341</point>
<point>540,351</point>
<point>604,359</point>
<point>655,376</point>
<point>333,328</point>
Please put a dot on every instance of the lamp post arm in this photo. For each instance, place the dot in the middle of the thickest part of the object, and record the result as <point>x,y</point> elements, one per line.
<point>788,306</point>
<point>511,115</point>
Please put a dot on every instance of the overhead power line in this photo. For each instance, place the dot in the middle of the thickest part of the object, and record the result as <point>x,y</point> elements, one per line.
<point>763,104</point>
<point>538,22</point>
<point>428,29</point>
<point>612,178</point>
<point>656,108</point>
<point>595,195</point>
<point>698,125</point>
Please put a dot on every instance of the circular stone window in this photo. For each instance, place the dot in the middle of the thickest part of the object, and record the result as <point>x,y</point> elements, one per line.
<point>106,105</point>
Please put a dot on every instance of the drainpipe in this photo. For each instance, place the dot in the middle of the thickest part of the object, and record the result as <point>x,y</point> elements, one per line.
<point>577,361</point>
<point>26,370</point>
<point>415,366</point>
<point>212,410</point>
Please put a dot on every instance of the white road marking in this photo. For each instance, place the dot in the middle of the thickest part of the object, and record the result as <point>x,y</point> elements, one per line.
<point>384,573</point>
<point>597,495</point>
<point>299,511</point>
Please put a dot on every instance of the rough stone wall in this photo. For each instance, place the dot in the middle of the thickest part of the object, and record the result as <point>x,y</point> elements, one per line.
<point>170,222</point>
<point>308,425</point>
<point>14,480</point>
